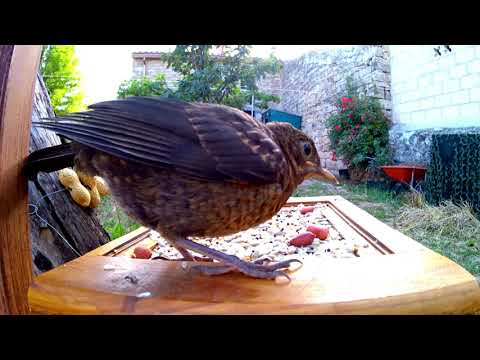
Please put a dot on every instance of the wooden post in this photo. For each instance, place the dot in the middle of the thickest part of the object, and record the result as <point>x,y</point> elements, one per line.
<point>18,69</point>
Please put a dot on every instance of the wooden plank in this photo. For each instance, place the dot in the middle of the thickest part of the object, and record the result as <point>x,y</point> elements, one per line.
<point>345,229</point>
<point>374,228</point>
<point>6,53</point>
<point>147,242</point>
<point>15,120</point>
<point>413,283</point>
<point>125,240</point>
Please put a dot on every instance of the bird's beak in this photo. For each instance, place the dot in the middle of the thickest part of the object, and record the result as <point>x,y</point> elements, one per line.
<point>317,172</point>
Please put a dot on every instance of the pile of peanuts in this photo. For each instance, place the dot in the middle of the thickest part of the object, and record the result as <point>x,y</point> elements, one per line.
<point>84,190</point>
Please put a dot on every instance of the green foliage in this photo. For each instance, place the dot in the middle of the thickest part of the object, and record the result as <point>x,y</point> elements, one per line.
<point>454,171</point>
<point>62,78</point>
<point>228,78</point>
<point>359,131</point>
<point>144,87</point>
<point>114,219</point>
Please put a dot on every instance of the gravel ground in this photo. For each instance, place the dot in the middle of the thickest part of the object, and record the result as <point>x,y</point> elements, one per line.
<point>270,239</point>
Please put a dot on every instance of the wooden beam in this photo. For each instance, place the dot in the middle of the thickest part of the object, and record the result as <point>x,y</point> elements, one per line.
<point>18,70</point>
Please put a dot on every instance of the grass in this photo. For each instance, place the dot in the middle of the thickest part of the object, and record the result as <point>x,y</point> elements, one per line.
<point>113,218</point>
<point>450,230</point>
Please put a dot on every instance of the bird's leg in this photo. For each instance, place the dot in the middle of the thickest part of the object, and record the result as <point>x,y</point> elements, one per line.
<point>263,261</point>
<point>231,262</point>
<point>185,253</point>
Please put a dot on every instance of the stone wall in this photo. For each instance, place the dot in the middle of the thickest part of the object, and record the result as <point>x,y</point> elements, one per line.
<point>312,83</point>
<point>271,84</point>
<point>431,91</point>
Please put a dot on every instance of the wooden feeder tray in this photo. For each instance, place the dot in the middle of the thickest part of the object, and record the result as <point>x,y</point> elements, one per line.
<point>407,278</point>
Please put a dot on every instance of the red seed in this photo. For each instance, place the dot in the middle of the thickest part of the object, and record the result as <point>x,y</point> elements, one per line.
<point>303,239</point>
<point>306,210</point>
<point>142,252</point>
<point>320,232</point>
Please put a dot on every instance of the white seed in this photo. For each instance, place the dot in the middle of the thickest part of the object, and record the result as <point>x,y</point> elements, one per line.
<point>253,241</point>
<point>145,294</point>
<point>291,250</point>
<point>108,267</point>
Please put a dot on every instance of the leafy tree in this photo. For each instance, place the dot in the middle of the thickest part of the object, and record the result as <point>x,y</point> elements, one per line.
<point>220,78</point>
<point>229,77</point>
<point>144,87</point>
<point>62,78</point>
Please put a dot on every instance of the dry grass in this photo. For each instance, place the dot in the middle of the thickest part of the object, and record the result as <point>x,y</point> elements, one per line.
<point>414,199</point>
<point>449,229</point>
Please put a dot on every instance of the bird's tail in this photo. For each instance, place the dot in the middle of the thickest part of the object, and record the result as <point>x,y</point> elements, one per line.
<point>49,159</point>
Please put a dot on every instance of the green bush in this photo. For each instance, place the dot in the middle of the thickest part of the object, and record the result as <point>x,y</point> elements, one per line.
<point>454,171</point>
<point>358,132</point>
<point>144,86</point>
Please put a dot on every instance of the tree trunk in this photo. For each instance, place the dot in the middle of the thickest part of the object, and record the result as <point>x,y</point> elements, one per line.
<point>78,226</point>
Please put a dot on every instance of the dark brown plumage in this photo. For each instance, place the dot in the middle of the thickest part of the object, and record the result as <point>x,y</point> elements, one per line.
<point>188,170</point>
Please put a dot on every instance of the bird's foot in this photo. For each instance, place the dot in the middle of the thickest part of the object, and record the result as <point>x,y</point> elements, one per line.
<point>251,269</point>
<point>230,263</point>
<point>263,261</point>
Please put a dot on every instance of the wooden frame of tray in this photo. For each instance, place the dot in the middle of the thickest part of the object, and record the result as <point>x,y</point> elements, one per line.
<point>407,279</point>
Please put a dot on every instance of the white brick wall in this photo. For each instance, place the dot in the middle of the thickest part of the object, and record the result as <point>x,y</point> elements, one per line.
<point>435,91</point>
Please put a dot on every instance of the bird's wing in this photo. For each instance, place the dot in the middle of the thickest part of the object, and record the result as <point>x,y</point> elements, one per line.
<point>205,141</point>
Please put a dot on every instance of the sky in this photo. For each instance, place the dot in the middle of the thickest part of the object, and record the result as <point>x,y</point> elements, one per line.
<point>104,67</point>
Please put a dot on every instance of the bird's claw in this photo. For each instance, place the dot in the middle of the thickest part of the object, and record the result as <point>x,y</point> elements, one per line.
<point>228,263</point>
<point>250,269</point>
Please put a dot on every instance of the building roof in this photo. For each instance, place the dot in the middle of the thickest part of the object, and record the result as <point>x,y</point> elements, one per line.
<point>158,54</point>
<point>147,55</point>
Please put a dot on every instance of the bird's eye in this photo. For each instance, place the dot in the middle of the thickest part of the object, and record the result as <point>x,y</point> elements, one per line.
<point>307,149</point>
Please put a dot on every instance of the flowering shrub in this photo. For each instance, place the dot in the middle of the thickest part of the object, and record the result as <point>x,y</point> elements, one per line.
<point>359,130</point>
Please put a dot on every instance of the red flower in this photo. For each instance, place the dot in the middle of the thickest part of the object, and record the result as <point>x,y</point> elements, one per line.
<point>350,116</point>
<point>345,100</point>
<point>357,126</point>
<point>338,127</point>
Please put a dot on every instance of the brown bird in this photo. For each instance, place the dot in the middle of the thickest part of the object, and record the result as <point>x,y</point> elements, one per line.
<point>187,169</point>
